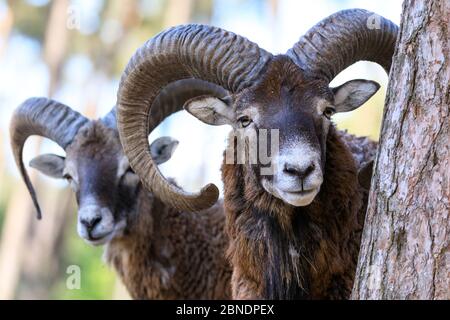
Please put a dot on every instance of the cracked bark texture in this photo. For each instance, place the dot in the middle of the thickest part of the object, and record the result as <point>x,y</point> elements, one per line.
<point>405,246</point>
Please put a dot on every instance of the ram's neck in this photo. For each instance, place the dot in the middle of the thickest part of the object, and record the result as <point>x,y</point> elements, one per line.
<point>141,256</point>
<point>286,252</point>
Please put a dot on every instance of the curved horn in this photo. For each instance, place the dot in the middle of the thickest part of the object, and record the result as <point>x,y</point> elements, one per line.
<point>173,97</point>
<point>46,118</point>
<point>170,100</point>
<point>109,119</point>
<point>190,51</point>
<point>343,39</point>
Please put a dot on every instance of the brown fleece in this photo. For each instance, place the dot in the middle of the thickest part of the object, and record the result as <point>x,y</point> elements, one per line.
<point>172,255</point>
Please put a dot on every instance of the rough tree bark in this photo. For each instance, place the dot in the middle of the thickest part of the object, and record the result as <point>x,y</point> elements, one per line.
<point>405,246</point>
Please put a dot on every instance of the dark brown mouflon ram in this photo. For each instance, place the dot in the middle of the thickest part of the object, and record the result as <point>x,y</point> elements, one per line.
<point>159,252</point>
<point>296,233</point>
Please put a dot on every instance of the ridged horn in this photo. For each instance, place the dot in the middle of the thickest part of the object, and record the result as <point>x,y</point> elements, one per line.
<point>344,38</point>
<point>109,120</point>
<point>170,100</point>
<point>185,52</point>
<point>47,118</point>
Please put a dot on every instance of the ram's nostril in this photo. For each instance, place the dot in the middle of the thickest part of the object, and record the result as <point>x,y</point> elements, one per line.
<point>91,223</point>
<point>309,170</point>
<point>96,221</point>
<point>302,173</point>
<point>291,170</point>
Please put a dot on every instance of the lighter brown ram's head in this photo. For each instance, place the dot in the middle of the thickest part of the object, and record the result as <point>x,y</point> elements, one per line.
<point>289,92</point>
<point>95,165</point>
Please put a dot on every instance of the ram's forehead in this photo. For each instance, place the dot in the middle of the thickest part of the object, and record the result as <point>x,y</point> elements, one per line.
<point>95,138</point>
<point>283,106</point>
<point>290,90</point>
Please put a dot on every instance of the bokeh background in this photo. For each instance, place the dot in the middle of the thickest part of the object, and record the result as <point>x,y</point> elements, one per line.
<point>74,51</point>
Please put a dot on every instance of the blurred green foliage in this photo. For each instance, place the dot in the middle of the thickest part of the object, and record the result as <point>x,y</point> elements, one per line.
<point>4,197</point>
<point>97,279</point>
<point>2,213</point>
<point>30,21</point>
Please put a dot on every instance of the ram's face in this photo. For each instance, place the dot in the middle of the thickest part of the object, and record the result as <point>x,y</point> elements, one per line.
<point>99,174</point>
<point>294,110</point>
<point>297,111</point>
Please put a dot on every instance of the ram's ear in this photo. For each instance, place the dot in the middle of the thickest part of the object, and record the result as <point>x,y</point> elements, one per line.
<point>162,149</point>
<point>211,110</point>
<point>353,94</point>
<point>49,164</point>
<point>365,175</point>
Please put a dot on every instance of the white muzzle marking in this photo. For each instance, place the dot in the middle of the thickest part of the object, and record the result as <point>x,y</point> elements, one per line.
<point>297,187</point>
<point>103,231</point>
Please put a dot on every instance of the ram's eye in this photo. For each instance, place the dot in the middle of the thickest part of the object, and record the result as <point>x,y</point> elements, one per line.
<point>245,121</point>
<point>328,112</point>
<point>68,177</point>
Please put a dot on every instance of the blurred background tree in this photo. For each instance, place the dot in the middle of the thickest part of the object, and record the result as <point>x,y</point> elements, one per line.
<point>74,51</point>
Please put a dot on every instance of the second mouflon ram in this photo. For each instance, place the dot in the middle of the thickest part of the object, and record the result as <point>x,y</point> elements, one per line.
<point>159,252</point>
<point>294,234</point>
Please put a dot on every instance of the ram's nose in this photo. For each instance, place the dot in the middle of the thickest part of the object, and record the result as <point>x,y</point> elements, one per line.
<point>95,221</point>
<point>299,171</point>
<point>91,222</point>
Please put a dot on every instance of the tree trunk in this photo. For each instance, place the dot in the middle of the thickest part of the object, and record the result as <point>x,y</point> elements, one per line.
<point>405,246</point>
